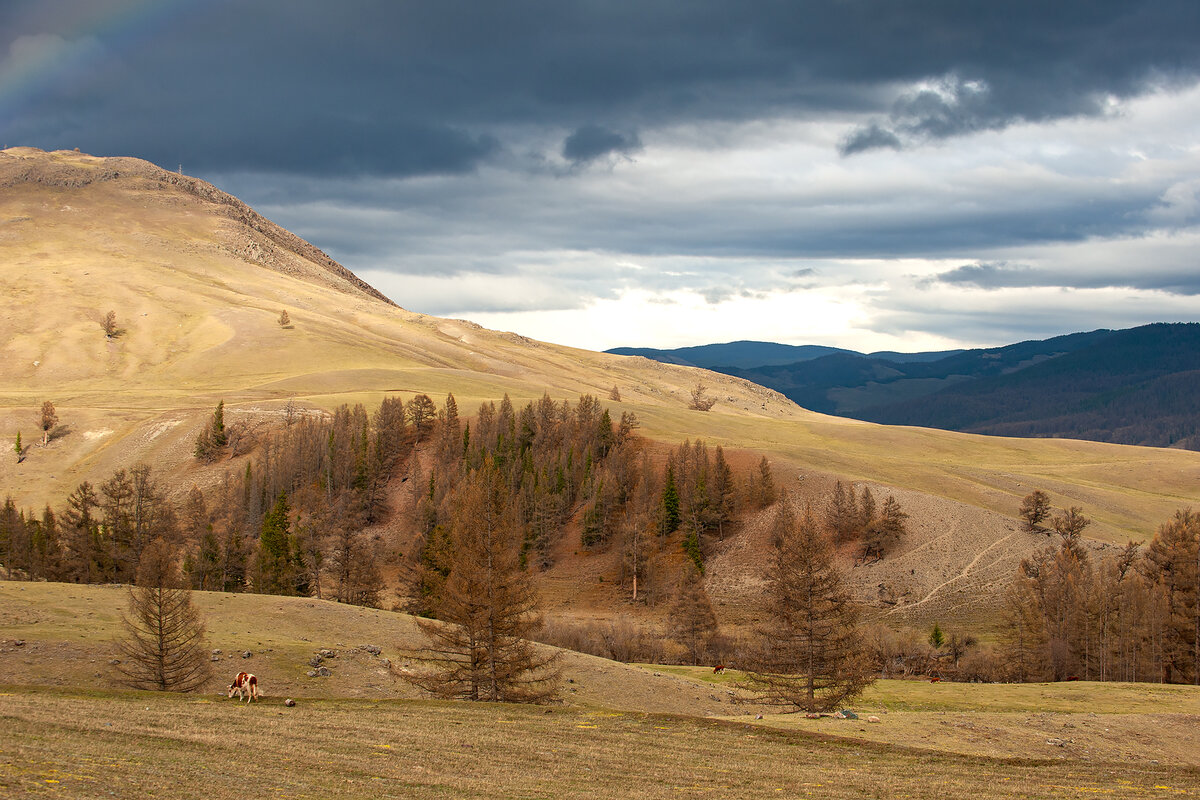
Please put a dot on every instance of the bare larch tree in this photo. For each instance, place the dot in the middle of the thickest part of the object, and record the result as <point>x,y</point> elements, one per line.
<point>479,647</point>
<point>163,646</point>
<point>810,657</point>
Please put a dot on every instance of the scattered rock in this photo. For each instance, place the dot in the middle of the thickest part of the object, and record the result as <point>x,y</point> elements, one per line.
<point>1056,742</point>
<point>114,661</point>
<point>372,649</point>
<point>19,642</point>
<point>214,658</point>
<point>216,652</point>
<point>247,654</point>
<point>873,718</point>
<point>312,673</point>
<point>315,661</point>
<point>387,662</point>
<point>326,653</point>
<point>324,672</point>
<point>290,703</point>
<point>758,716</point>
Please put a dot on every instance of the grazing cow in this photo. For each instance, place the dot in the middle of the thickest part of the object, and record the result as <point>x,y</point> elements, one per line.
<point>718,669</point>
<point>245,685</point>
<point>1072,677</point>
<point>935,680</point>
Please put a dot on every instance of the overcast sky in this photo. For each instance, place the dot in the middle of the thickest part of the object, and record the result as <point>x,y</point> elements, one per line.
<point>870,174</point>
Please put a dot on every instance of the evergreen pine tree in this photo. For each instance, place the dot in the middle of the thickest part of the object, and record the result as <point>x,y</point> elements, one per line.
<point>275,567</point>
<point>669,504</point>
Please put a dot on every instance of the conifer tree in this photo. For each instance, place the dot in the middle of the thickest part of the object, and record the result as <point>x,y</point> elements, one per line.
<point>276,570</point>
<point>49,420</point>
<point>1174,554</point>
<point>762,489</point>
<point>724,497</point>
<point>422,413</point>
<point>692,621</point>
<point>213,437</point>
<point>479,649</point>
<point>1034,510</point>
<point>219,436</point>
<point>842,515</point>
<point>83,535</point>
<point>669,504</point>
<point>866,510</point>
<point>163,647</point>
<point>636,533</point>
<point>809,656</point>
<point>886,531</point>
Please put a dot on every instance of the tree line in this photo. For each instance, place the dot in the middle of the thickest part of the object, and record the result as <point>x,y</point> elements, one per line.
<point>290,519</point>
<point>1134,616</point>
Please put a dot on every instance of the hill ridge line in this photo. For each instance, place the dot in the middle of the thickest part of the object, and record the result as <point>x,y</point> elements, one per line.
<point>71,175</point>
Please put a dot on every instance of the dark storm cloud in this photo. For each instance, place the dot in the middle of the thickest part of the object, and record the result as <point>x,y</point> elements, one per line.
<point>593,141</point>
<point>868,137</point>
<point>419,88</point>
<point>989,276</point>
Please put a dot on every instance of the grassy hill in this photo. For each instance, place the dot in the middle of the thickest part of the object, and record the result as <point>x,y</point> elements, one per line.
<point>198,281</point>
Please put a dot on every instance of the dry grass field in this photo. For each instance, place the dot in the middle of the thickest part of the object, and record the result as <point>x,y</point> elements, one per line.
<point>62,743</point>
<point>618,731</point>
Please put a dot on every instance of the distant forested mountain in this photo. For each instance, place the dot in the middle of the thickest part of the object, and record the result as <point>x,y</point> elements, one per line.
<point>1136,386</point>
<point>749,355</point>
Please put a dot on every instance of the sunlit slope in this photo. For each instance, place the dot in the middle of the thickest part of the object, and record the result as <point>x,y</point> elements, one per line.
<point>198,281</point>
<point>198,293</point>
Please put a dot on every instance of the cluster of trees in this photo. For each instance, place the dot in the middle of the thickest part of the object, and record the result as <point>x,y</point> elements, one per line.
<point>946,654</point>
<point>853,518</point>
<point>292,522</point>
<point>289,523</point>
<point>98,537</point>
<point>1132,617</point>
<point>49,421</point>
<point>571,465</point>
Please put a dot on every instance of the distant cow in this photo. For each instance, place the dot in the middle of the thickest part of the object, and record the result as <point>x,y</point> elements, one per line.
<point>245,686</point>
<point>935,680</point>
<point>718,669</point>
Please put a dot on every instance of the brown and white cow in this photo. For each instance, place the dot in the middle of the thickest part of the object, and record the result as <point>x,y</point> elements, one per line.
<point>245,686</point>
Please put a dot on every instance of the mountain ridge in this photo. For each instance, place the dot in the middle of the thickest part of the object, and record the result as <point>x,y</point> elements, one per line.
<point>1130,386</point>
